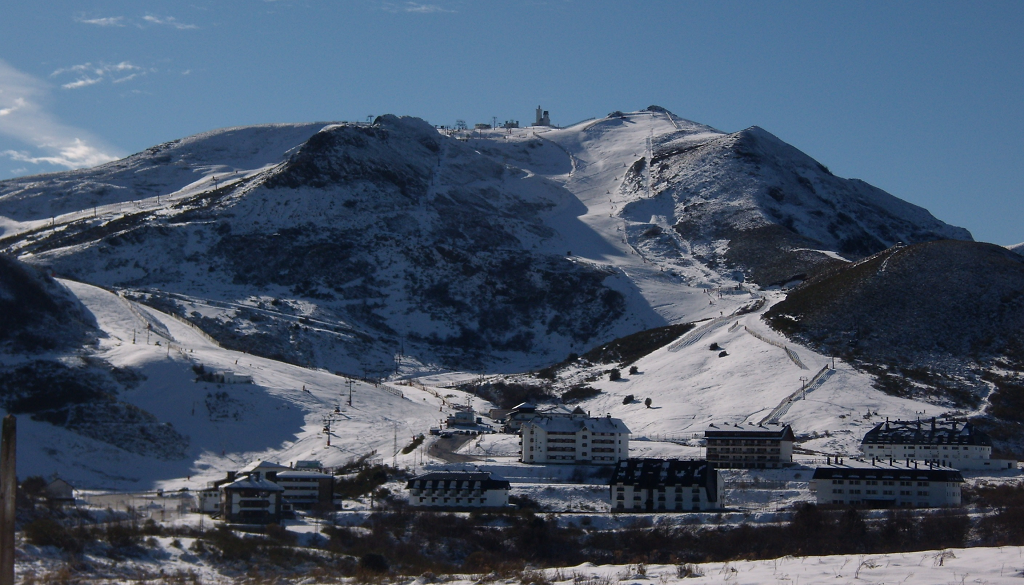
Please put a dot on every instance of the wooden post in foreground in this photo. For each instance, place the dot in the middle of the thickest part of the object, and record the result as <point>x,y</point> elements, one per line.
<point>8,491</point>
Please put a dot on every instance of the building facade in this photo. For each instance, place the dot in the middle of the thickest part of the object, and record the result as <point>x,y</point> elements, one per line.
<point>252,500</point>
<point>577,438</point>
<point>306,490</point>
<point>949,443</point>
<point>665,485</point>
<point>455,490</point>
<point>880,484</point>
<point>750,449</point>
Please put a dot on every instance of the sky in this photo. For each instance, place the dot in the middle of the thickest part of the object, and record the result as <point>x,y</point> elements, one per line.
<point>921,99</point>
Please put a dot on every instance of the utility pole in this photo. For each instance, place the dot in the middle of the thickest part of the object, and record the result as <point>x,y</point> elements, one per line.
<point>350,391</point>
<point>8,489</point>
<point>328,421</point>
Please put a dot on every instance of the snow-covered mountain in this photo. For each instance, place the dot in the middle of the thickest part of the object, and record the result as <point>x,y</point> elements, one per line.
<point>394,249</point>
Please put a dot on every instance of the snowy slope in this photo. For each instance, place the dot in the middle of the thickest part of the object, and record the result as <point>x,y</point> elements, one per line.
<point>227,425</point>
<point>160,170</point>
<point>393,250</point>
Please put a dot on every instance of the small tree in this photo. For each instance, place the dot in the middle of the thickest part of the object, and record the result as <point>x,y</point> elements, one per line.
<point>633,370</point>
<point>647,403</point>
<point>615,374</point>
<point>627,399</point>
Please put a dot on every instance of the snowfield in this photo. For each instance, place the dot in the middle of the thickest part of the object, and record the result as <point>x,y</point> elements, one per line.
<point>592,207</point>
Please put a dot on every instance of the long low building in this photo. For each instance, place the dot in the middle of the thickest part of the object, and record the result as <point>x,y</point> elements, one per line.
<point>666,485</point>
<point>880,484</point>
<point>759,448</point>
<point>458,490</point>
<point>949,443</point>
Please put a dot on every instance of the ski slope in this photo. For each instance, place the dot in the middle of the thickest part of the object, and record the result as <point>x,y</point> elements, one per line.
<point>278,417</point>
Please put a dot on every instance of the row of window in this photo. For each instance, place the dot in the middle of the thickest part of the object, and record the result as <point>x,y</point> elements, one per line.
<point>457,500</point>
<point>901,504</point>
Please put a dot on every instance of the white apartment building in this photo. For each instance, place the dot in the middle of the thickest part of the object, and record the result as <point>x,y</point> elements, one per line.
<point>880,484</point>
<point>574,439</point>
<point>666,485</point>
<point>947,443</point>
<point>454,490</point>
<point>304,490</point>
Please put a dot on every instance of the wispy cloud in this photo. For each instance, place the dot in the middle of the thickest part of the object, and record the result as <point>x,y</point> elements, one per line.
<point>14,107</point>
<point>82,82</point>
<point>168,21</point>
<point>413,7</point>
<point>106,21</point>
<point>25,118</point>
<point>90,74</point>
<point>424,8</point>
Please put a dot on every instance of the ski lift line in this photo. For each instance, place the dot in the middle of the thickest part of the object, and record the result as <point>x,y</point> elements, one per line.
<point>692,336</point>
<point>216,304</point>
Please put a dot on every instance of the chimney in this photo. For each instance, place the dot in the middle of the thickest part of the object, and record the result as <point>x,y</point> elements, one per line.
<point>231,476</point>
<point>828,460</point>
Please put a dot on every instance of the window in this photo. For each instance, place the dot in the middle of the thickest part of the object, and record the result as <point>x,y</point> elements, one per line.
<point>922,493</point>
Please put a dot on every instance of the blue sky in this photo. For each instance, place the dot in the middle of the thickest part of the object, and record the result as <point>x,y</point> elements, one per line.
<point>922,99</point>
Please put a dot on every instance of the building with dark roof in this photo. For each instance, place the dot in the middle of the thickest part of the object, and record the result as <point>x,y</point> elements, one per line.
<point>576,438</point>
<point>750,449</point>
<point>881,484</point>
<point>665,485</point>
<point>252,500</point>
<point>942,442</point>
<point>458,490</point>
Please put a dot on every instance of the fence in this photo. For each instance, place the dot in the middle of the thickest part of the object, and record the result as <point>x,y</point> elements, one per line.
<point>783,407</point>
<point>789,352</point>
<point>694,336</point>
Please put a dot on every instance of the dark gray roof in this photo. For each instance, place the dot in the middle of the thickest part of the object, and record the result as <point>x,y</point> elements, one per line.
<point>883,470</point>
<point>457,480</point>
<point>928,432</point>
<point>562,424</point>
<point>652,473</point>
<point>250,483</point>
<point>784,434</point>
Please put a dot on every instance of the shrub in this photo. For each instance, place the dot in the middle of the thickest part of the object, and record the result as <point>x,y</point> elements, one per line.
<point>628,399</point>
<point>49,532</point>
<point>416,442</point>
<point>577,393</point>
<point>633,370</point>
<point>374,562</point>
<point>647,403</point>
<point>615,374</point>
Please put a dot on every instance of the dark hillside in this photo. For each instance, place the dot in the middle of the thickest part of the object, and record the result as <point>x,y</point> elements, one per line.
<point>36,313</point>
<point>933,313</point>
